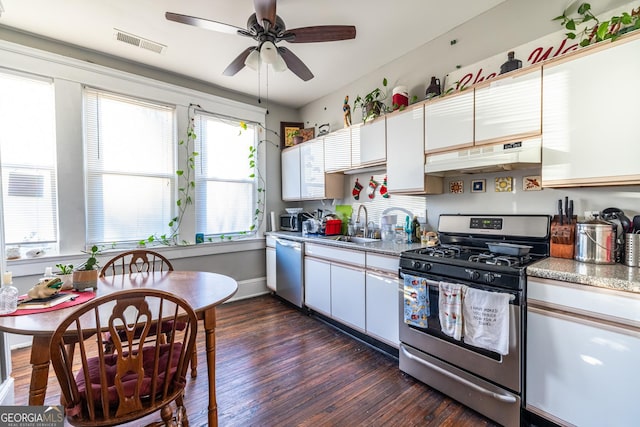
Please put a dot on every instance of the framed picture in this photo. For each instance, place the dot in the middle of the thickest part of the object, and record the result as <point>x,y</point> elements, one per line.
<point>287,131</point>
<point>307,134</point>
<point>532,183</point>
<point>478,186</point>
<point>456,187</point>
<point>504,184</point>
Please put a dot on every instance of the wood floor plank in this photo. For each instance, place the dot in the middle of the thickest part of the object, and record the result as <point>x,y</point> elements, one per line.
<point>276,366</point>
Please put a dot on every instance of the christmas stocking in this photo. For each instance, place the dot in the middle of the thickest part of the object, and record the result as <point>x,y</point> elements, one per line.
<point>371,190</point>
<point>383,189</point>
<point>356,190</point>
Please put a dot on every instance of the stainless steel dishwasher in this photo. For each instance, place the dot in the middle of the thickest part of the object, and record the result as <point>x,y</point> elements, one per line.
<point>289,274</point>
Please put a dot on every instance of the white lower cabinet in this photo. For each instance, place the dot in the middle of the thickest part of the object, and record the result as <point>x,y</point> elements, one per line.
<point>383,308</point>
<point>271,268</point>
<point>582,354</point>
<point>317,285</point>
<point>348,295</point>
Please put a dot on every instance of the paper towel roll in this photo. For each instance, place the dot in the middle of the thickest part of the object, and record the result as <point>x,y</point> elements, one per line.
<point>274,224</point>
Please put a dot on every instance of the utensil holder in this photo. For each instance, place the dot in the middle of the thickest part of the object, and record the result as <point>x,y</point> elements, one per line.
<point>563,238</point>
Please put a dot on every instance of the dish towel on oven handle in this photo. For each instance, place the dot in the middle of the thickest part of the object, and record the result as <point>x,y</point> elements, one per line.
<point>416,301</point>
<point>450,309</point>
<point>486,320</point>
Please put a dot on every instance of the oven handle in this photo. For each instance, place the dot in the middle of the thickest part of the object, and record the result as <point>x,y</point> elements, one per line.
<point>501,397</point>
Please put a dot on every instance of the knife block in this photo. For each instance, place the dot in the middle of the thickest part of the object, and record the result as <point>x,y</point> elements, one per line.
<point>563,238</point>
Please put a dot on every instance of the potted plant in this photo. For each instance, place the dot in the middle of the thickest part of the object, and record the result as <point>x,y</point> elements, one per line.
<point>86,275</point>
<point>372,104</point>
<point>65,274</point>
<point>610,29</point>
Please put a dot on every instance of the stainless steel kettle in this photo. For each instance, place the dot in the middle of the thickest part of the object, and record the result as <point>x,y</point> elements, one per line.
<point>596,242</point>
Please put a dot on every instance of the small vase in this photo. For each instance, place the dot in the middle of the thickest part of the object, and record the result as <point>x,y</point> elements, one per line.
<point>8,299</point>
<point>297,140</point>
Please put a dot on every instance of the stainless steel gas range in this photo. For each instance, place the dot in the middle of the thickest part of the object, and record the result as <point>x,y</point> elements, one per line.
<point>482,379</point>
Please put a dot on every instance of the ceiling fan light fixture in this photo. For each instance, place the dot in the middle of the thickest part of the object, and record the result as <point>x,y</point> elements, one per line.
<point>279,65</point>
<point>253,60</point>
<point>268,52</point>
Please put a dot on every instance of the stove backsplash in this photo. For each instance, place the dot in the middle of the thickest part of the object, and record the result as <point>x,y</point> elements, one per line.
<point>516,201</point>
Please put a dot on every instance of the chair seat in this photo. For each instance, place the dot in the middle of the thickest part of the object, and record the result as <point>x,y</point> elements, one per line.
<point>130,380</point>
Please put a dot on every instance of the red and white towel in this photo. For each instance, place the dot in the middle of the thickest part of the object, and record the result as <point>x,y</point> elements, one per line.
<point>450,309</point>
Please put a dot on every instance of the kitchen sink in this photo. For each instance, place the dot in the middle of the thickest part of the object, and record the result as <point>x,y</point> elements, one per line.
<point>352,239</point>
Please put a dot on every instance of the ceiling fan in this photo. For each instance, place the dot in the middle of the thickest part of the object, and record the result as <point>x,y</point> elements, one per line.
<point>267,28</point>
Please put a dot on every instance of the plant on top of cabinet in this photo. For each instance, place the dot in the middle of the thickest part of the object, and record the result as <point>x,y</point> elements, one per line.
<point>372,104</point>
<point>610,29</point>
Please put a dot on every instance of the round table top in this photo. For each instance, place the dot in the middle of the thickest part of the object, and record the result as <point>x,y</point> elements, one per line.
<point>202,290</point>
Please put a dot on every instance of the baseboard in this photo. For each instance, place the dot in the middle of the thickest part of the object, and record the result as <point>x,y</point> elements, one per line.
<point>251,288</point>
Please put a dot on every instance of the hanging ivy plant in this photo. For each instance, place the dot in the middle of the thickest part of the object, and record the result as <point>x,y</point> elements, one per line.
<point>186,186</point>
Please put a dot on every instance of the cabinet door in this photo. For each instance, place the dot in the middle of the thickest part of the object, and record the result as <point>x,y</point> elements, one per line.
<point>291,173</point>
<point>373,137</point>
<point>383,307</point>
<point>509,108</point>
<point>317,285</point>
<point>312,169</point>
<point>348,296</point>
<point>582,372</point>
<point>355,145</point>
<point>271,268</point>
<point>405,151</point>
<point>337,150</point>
<point>590,138</point>
<point>449,122</point>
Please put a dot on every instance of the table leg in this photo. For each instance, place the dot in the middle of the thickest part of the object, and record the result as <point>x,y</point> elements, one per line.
<point>210,338</point>
<point>40,369</point>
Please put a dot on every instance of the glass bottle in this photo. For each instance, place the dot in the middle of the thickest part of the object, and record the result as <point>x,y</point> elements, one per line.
<point>8,295</point>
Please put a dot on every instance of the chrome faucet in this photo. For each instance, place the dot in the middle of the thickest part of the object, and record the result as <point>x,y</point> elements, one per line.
<point>366,219</point>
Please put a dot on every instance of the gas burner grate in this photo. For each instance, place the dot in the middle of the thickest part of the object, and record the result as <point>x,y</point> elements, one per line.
<point>499,259</point>
<point>442,251</point>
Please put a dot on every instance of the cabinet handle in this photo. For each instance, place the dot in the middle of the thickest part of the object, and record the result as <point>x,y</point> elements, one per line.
<point>506,398</point>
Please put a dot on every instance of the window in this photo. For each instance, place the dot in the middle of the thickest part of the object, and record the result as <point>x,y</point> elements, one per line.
<point>130,168</point>
<point>225,191</point>
<point>28,160</point>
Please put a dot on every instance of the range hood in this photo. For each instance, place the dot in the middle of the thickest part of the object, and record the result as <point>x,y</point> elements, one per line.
<point>486,158</point>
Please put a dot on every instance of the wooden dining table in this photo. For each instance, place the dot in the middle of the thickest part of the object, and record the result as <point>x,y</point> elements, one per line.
<point>202,290</point>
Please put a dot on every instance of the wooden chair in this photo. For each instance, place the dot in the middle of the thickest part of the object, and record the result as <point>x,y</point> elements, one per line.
<point>137,379</point>
<point>140,261</point>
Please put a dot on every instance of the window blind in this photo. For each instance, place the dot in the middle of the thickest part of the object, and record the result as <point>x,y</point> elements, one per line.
<point>225,190</point>
<point>28,159</point>
<point>130,168</point>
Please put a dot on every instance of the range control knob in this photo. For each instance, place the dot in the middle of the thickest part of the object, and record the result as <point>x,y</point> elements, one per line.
<point>427,266</point>
<point>416,265</point>
<point>489,277</point>
<point>474,275</point>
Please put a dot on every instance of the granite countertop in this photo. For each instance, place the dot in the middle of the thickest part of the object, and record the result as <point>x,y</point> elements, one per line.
<point>612,276</point>
<point>384,248</point>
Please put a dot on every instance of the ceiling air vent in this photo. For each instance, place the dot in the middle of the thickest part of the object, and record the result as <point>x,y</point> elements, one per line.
<point>138,41</point>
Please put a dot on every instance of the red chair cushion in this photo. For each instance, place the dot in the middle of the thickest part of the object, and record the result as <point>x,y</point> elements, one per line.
<point>130,380</point>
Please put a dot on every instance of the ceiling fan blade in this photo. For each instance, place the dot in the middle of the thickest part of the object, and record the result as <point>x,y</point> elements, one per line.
<point>238,63</point>
<point>265,9</point>
<point>203,23</point>
<point>321,33</point>
<point>295,64</point>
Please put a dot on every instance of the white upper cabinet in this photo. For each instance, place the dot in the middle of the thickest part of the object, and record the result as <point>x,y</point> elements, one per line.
<point>509,108</point>
<point>291,173</point>
<point>405,152</point>
<point>373,136</point>
<point>449,122</point>
<point>355,145</point>
<point>337,150</point>
<point>590,137</point>
<point>312,169</point>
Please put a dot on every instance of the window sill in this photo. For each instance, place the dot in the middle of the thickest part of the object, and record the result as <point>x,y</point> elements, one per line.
<point>36,266</point>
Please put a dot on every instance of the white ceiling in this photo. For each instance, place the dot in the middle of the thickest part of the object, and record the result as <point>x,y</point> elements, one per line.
<point>385,30</point>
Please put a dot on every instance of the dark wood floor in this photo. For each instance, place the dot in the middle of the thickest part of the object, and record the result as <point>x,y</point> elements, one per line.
<point>279,367</point>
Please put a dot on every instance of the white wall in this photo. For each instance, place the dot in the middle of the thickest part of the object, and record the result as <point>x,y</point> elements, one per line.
<point>500,29</point>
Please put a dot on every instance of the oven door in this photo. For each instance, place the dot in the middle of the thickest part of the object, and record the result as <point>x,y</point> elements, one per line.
<point>502,370</point>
